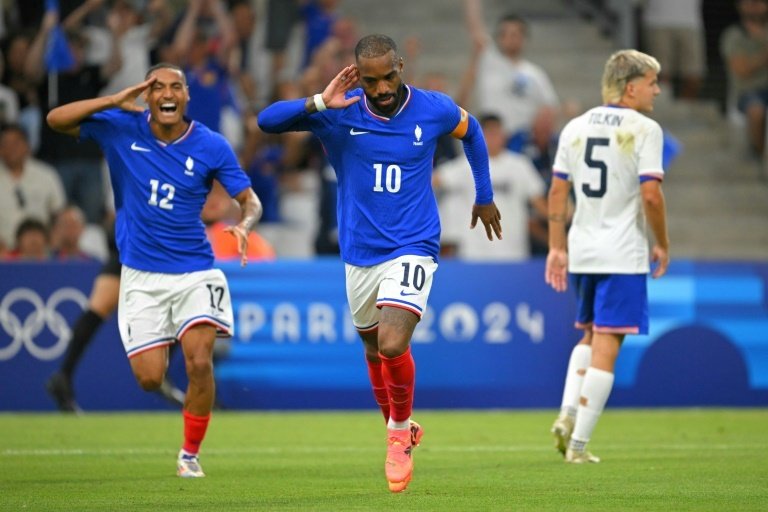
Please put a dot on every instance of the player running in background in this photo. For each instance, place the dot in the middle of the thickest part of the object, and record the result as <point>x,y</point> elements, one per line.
<point>162,165</point>
<point>380,141</point>
<point>612,156</point>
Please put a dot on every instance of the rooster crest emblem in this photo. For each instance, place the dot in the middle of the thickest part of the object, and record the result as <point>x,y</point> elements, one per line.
<point>189,164</point>
<point>417,132</point>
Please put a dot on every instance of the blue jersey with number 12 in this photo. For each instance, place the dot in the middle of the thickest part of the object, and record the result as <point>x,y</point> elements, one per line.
<point>160,189</point>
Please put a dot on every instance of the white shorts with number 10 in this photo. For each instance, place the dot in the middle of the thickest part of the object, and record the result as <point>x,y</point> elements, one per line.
<point>404,282</point>
<point>156,309</point>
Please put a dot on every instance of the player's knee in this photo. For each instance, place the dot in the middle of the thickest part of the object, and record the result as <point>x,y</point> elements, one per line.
<point>392,348</point>
<point>149,382</point>
<point>199,367</point>
<point>392,341</point>
<point>371,352</point>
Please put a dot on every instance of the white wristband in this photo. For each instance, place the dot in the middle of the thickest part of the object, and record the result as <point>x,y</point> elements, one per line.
<point>319,103</point>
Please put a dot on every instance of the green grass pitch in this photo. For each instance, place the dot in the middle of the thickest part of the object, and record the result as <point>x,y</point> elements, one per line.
<point>657,460</point>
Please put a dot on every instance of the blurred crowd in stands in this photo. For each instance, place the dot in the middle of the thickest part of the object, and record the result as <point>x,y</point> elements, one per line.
<point>240,55</point>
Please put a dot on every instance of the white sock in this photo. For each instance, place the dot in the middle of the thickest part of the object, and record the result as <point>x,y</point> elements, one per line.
<point>399,425</point>
<point>581,355</point>
<point>595,390</point>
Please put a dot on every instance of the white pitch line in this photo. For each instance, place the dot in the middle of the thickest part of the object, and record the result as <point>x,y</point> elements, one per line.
<point>74,452</point>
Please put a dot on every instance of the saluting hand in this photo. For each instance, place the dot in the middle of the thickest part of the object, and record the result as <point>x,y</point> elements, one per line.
<point>490,216</point>
<point>333,95</point>
<point>126,99</point>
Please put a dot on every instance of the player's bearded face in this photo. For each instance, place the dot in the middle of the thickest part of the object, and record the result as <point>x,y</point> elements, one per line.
<point>167,97</point>
<point>381,82</point>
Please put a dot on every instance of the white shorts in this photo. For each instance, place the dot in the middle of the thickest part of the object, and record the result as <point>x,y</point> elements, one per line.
<point>404,283</point>
<point>156,309</point>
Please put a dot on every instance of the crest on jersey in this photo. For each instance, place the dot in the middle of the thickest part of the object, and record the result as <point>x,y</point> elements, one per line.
<point>417,133</point>
<point>189,164</point>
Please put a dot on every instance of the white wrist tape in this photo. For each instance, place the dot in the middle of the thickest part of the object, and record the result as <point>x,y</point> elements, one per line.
<point>319,103</point>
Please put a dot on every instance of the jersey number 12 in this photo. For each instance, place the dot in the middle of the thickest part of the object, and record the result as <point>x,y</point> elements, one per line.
<point>165,202</point>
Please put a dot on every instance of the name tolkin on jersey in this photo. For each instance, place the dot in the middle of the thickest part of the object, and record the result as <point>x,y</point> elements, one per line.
<point>609,119</point>
<point>417,132</point>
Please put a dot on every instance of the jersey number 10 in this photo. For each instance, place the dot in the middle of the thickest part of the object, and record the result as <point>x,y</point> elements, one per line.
<point>392,180</point>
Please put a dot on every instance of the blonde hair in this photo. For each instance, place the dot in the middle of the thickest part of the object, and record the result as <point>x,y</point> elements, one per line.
<point>621,68</point>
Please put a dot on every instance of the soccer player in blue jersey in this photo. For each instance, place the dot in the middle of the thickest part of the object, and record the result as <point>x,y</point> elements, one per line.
<point>162,165</point>
<point>380,139</point>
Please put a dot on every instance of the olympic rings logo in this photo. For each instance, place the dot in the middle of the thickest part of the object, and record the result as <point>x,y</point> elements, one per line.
<point>23,332</point>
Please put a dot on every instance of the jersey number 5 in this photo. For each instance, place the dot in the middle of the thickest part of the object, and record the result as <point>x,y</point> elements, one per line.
<point>594,163</point>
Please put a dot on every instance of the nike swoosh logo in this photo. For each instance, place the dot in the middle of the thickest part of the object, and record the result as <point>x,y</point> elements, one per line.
<point>404,294</point>
<point>353,132</point>
<point>139,148</point>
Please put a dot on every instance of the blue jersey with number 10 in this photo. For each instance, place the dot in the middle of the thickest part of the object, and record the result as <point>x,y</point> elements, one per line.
<point>386,207</point>
<point>160,189</point>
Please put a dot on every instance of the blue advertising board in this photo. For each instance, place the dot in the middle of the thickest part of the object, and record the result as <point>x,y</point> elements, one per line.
<point>494,335</point>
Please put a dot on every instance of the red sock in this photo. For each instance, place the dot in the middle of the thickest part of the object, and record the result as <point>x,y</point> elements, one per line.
<point>399,374</point>
<point>194,432</point>
<point>379,387</point>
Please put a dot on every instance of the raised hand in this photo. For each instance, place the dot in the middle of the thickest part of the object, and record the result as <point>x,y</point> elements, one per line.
<point>126,99</point>
<point>333,95</point>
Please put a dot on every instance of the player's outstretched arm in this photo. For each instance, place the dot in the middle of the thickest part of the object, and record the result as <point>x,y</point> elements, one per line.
<point>251,207</point>
<point>67,118</point>
<point>292,115</point>
<point>490,216</point>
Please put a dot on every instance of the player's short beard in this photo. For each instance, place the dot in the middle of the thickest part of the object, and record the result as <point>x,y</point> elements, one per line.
<point>398,95</point>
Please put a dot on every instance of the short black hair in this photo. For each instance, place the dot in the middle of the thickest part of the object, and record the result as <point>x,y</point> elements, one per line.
<point>374,45</point>
<point>488,118</point>
<point>165,65</point>
<point>15,127</point>
<point>514,18</point>
<point>31,224</point>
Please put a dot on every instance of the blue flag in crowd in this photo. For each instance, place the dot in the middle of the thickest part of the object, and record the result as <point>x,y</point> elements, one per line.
<point>58,57</point>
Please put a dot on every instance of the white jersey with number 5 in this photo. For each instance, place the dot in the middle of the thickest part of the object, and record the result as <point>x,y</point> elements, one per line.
<point>607,153</point>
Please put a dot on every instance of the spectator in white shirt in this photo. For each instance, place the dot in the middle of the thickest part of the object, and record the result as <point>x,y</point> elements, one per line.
<point>517,187</point>
<point>29,188</point>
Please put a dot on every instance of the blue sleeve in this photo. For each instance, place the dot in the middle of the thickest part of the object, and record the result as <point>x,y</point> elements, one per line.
<point>98,127</point>
<point>228,172</point>
<point>289,116</point>
<point>477,155</point>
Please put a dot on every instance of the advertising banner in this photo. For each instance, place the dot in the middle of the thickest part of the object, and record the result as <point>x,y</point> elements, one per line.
<point>493,336</point>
